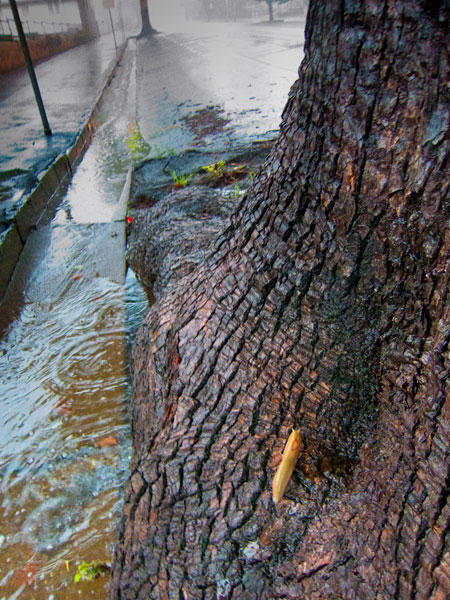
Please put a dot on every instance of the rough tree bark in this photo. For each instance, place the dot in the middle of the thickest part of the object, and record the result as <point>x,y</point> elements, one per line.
<point>325,306</point>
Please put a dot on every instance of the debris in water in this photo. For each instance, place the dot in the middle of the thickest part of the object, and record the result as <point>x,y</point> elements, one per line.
<point>105,442</point>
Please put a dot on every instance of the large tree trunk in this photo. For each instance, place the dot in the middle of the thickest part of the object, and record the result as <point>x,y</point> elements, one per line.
<point>325,306</point>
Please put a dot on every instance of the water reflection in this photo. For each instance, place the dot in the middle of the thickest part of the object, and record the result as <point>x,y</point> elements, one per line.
<point>63,379</point>
<point>68,325</point>
<point>93,192</point>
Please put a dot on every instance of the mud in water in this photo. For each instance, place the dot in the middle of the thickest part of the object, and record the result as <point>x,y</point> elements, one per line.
<point>64,436</point>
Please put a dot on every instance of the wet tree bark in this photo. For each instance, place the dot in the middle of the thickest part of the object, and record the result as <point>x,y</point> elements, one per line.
<point>325,306</point>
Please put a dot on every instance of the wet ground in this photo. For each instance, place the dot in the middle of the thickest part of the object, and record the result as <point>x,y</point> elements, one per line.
<point>230,79</point>
<point>69,83</point>
<point>68,321</point>
<point>65,435</point>
<point>216,85</point>
<point>69,318</point>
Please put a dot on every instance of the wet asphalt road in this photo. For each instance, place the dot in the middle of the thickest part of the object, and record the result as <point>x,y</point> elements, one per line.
<point>242,69</point>
<point>234,76</point>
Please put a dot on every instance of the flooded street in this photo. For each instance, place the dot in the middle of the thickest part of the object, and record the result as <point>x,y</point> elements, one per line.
<point>64,434</point>
<point>63,369</point>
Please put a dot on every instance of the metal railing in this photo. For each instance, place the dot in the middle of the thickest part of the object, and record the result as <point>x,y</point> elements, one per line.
<point>8,28</point>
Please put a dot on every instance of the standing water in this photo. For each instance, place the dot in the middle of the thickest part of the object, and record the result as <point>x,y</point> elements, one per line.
<point>64,436</point>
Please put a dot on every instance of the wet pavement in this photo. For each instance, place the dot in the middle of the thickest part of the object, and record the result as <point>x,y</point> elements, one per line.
<point>210,85</point>
<point>243,70</point>
<point>235,77</point>
<point>69,83</point>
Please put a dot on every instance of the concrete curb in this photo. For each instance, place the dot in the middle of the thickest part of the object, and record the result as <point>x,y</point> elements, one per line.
<point>122,206</point>
<point>52,182</point>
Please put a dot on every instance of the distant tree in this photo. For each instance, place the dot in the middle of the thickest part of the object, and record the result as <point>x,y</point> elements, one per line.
<point>270,6</point>
<point>88,21</point>
<point>147,28</point>
<point>208,8</point>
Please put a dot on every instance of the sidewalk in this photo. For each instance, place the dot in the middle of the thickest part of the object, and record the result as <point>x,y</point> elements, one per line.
<point>34,168</point>
<point>69,84</point>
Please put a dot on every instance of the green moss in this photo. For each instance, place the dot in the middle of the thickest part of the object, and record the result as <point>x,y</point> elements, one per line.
<point>90,571</point>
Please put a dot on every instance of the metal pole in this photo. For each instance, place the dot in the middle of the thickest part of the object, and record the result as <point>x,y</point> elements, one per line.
<point>112,27</point>
<point>31,73</point>
<point>119,5</point>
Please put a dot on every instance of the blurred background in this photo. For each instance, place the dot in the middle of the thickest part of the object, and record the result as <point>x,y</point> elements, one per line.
<point>51,16</point>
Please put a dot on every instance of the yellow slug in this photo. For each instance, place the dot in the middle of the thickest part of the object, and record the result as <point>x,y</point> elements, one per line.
<point>286,466</point>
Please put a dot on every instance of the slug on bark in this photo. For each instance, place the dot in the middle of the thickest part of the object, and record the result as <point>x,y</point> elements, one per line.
<point>286,466</point>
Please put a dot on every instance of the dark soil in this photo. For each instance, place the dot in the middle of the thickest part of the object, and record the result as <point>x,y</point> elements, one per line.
<point>154,178</point>
<point>205,122</point>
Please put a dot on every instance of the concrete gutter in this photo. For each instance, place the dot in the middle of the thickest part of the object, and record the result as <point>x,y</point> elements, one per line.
<point>52,184</point>
<point>122,205</point>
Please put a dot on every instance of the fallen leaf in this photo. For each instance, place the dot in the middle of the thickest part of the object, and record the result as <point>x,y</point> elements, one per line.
<point>75,277</point>
<point>63,407</point>
<point>26,575</point>
<point>129,220</point>
<point>105,442</point>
